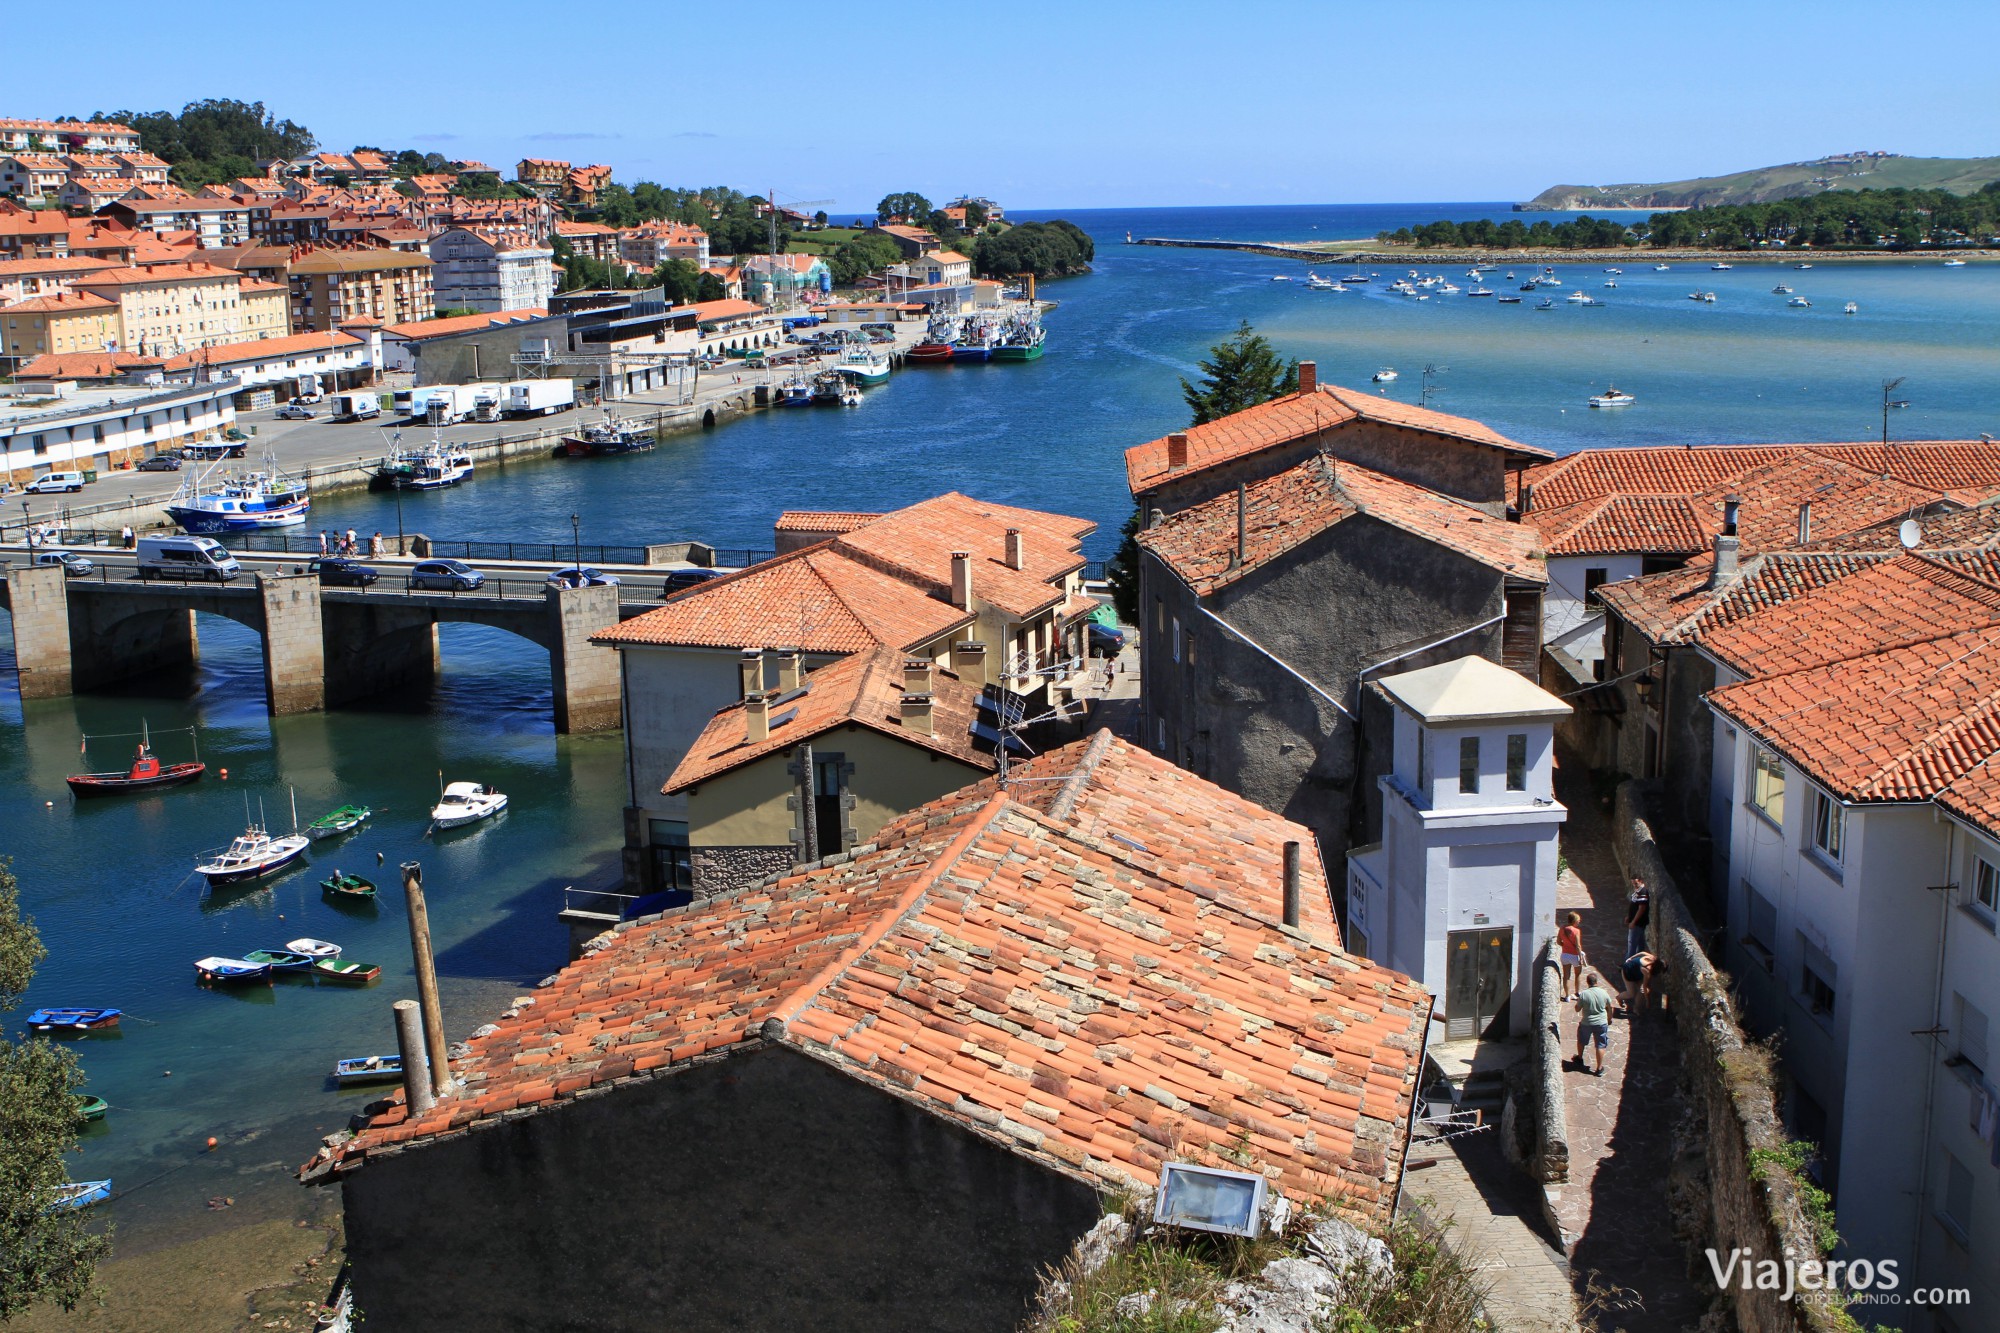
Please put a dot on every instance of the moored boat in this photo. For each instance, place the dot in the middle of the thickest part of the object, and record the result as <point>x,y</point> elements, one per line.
<point>1385,375</point>
<point>1613,397</point>
<point>280,960</point>
<point>82,1194</point>
<point>345,972</point>
<point>368,1069</point>
<point>313,948</point>
<point>65,1021</point>
<point>91,1108</point>
<point>343,885</point>
<point>1021,337</point>
<point>833,389</point>
<point>1850,309</point>
<point>796,391</point>
<point>867,365</point>
<point>431,468</point>
<point>605,438</point>
<point>332,824</point>
<point>252,855</point>
<point>218,971</point>
<point>465,802</point>
<point>1799,302</point>
<point>238,502</point>
<point>145,774</point>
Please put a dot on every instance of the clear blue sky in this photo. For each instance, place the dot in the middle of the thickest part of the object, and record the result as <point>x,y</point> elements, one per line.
<point>1076,104</point>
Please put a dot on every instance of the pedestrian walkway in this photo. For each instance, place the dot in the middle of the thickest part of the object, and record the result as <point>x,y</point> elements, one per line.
<point>1614,1210</point>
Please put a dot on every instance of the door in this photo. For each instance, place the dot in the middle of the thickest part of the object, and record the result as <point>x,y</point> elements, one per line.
<point>828,818</point>
<point>1478,981</point>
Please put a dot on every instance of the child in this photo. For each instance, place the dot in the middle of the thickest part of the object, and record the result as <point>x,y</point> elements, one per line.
<point>1593,1013</point>
<point>1569,947</point>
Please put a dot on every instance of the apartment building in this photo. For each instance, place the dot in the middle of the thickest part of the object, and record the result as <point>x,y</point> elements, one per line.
<point>57,323</point>
<point>213,222</point>
<point>473,271</point>
<point>652,244</point>
<point>167,308</point>
<point>330,287</point>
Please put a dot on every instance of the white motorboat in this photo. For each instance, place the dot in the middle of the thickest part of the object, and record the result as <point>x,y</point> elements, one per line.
<point>1316,283</point>
<point>1577,298</point>
<point>313,948</point>
<point>252,855</point>
<point>1448,289</point>
<point>1719,267</point>
<point>1802,266</point>
<point>1611,282</point>
<point>1781,290</point>
<point>1385,374</point>
<point>1663,268</point>
<point>1799,301</point>
<point>1954,263</point>
<point>1613,397</point>
<point>1850,309</point>
<point>466,803</point>
<point>1480,291</point>
<point>1281,277</point>
<point>1618,272</point>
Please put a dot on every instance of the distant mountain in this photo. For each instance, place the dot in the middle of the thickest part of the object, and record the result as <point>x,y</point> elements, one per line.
<point>1846,171</point>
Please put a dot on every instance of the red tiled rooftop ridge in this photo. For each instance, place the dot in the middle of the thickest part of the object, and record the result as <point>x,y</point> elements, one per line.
<point>1010,966</point>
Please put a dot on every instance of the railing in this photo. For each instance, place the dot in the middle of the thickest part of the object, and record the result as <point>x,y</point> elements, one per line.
<point>307,545</point>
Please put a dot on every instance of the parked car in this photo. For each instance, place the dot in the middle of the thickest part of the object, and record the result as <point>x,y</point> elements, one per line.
<point>337,571</point>
<point>74,565</point>
<point>50,483</point>
<point>296,412</point>
<point>680,580</point>
<point>1105,640</point>
<point>161,463</point>
<point>585,577</point>
<point>445,576</point>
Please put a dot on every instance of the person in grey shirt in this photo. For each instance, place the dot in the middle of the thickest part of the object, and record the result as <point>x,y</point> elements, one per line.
<point>1593,1012</point>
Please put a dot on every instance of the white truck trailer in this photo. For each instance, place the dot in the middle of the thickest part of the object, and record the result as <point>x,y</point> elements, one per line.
<point>537,398</point>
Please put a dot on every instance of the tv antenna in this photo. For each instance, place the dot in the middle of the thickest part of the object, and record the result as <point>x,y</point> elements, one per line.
<point>1430,372</point>
<point>1889,388</point>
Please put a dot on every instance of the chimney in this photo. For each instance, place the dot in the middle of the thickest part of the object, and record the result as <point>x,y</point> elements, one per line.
<point>1154,517</point>
<point>1726,546</point>
<point>1308,377</point>
<point>750,673</point>
<point>1177,450</point>
<point>917,675</point>
<point>1291,884</point>
<point>1017,552</point>
<point>968,660</point>
<point>1237,556</point>
<point>756,717</point>
<point>961,580</point>
<point>917,712</point>
<point>1805,522</point>
<point>790,674</point>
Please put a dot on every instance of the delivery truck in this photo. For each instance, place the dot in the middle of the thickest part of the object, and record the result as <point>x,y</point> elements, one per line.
<point>537,398</point>
<point>356,406</point>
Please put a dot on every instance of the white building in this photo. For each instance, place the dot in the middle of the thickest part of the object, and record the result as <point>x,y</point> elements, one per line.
<point>94,429</point>
<point>472,272</point>
<point>1461,891</point>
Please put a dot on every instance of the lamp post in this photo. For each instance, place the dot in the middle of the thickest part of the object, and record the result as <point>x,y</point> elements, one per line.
<point>576,539</point>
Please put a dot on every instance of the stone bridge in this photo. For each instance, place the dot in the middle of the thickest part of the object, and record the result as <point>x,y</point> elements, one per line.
<point>322,646</point>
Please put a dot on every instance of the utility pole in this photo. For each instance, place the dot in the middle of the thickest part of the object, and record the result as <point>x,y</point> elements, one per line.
<point>427,982</point>
<point>1889,387</point>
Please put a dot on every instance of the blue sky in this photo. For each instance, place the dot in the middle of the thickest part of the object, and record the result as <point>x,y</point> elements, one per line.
<point>1079,104</point>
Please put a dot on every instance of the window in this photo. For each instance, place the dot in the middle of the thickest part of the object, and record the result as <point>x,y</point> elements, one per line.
<point>1761,938</point>
<point>1954,1204</point>
<point>1517,761</point>
<point>1968,1029</point>
<point>673,866</point>
<point>1424,764</point>
<point>1985,886</point>
<point>1817,978</point>
<point>1468,763</point>
<point>1827,822</point>
<point>1159,616</point>
<point>1593,579</point>
<point>1177,638</point>
<point>1767,784</point>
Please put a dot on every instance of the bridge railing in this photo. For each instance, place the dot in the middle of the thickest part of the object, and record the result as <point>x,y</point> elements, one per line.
<point>306,545</point>
<point>525,588</point>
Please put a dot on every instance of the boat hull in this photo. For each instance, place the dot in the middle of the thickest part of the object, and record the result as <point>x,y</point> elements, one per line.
<point>118,784</point>
<point>208,522</point>
<point>368,1069</point>
<point>1018,352</point>
<point>74,1020</point>
<point>971,353</point>
<point>238,874</point>
<point>930,354</point>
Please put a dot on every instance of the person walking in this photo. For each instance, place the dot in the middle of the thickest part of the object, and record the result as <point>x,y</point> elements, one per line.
<point>375,545</point>
<point>1569,948</point>
<point>1593,1020</point>
<point>352,549</point>
<point>322,543</point>
<point>1638,911</point>
<point>128,537</point>
<point>1640,971</point>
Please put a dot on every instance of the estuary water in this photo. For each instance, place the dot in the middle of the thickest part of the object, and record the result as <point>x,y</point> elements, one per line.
<point>108,881</point>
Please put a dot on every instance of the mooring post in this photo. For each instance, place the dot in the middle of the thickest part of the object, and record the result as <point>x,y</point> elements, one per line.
<point>410,1045</point>
<point>427,981</point>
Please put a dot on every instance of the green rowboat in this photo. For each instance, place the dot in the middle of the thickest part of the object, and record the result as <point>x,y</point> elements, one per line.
<point>344,820</point>
<point>348,886</point>
<point>91,1108</point>
<point>345,972</point>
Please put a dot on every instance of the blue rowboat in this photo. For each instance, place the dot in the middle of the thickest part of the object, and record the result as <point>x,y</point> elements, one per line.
<point>368,1069</point>
<point>74,1020</point>
<point>231,971</point>
<point>82,1194</point>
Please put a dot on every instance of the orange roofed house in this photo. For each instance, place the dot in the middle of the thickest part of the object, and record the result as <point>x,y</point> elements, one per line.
<point>885,1091</point>
<point>990,592</point>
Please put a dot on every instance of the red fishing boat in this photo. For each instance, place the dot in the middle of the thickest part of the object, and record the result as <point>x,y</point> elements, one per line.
<point>930,352</point>
<point>145,774</point>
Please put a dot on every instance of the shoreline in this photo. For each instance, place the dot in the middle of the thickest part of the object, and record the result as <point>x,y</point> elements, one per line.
<point>1374,253</point>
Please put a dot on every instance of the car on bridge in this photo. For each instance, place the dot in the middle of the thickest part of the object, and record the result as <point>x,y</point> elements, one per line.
<point>74,565</point>
<point>337,571</point>
<point>680,580</point>
<point>582,577</point>
<point>444,576</point>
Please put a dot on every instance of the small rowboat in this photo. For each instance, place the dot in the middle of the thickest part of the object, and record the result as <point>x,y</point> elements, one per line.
<point>334,823</point>
<point>74,1020</point>
<point>343,885</point>
<point>82,1194</point>
<point>313,948</point>
<point>347,973</point>
<point>91,1108</point>
<point>280,960</point>
<point>231,971</point>
<point>368,1069</point>
<point>146,773</point>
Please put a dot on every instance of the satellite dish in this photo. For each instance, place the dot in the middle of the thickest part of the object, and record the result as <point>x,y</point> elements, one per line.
<point>1910,534</point>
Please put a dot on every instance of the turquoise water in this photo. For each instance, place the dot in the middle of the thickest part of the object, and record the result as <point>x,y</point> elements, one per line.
<point>108,881</point>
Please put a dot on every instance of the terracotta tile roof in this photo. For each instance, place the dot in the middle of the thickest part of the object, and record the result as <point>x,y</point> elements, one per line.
<point>1898,725</point>
<point>1978,526</point>
<point>356,261</point>
<point>85,365</point>
<point>724,309</point>
<point>997,965</point>
<point>1295,417</point>
<point>917,541</point>
<point>69,126</point>
<point>1285,511</point>
<point>816,599</point>
<point>1938,466</point>
<point>264,349</point>
<point>188,270</point>
<point>1678,606</point>
<point>60,303</point>
<point>14,268</point>
<point>1981,563</point>
<point>441,328</point>
<point>1975,797</point>
<point>865,689</point>
<point>915,234</point>
<point>1843,498</point>
<point>1620,524</point>
<point>1898,600</point>
<point>39,222</point>
<point>821,520</point>
<point>565,227</point>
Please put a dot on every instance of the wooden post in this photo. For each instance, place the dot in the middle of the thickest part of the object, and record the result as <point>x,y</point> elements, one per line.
<point>410,1045</point>
<point>427,981</point>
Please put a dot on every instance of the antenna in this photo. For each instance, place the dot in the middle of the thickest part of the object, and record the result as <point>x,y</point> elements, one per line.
<point>1910,534</point>
<point>1889,387</point>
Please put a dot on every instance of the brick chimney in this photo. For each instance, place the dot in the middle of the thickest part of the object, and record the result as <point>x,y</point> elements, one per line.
<point>1017,550</point>
<point>1308,377</point>
<point>750,673</point>
<point>791,673</point>
<point>917,713</point>
<point>968,660</point>
<point>1727,547</point>
<point>917,675</point>
<point>1177,450</point>
<point>961,580</point>
<point>756,717</point>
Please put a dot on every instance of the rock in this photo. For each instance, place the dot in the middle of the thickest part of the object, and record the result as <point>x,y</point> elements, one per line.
<point>1110,1235</point>
<point>1135,1306</point>
<point>1289,1296</point>
<point>1338,1245</point>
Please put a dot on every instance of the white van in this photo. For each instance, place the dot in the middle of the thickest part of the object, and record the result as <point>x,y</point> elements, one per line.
<point>55,481</point>
<point>186,558</point>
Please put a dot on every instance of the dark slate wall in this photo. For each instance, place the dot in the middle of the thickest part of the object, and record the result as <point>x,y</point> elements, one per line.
<point>762,1191</point>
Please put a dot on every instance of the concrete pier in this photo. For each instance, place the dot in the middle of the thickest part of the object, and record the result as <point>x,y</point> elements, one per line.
<point>39,601</point>
<point>294,650</point>
<point>585,674</point>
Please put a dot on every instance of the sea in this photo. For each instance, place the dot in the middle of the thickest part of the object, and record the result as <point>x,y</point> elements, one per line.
<point>108,883</point>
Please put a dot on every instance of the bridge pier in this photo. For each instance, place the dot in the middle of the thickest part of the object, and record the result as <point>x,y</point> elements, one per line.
<point>112,640</point>
<point>294,650</point>
<point>585,674</point>
<point>39,599</point>
<point>377,647</point>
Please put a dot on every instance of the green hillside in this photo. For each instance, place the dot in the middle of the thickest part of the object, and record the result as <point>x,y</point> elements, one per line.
<point>1855,171</point>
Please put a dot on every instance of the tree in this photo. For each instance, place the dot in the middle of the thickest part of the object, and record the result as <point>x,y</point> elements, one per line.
<point>854,259</point>
<point>819,218</point>
<point>975,215</point>
<point>46,1253</point>
<point>214,140</point>
<point>1045,249</point>
<point>903,204</point>
<point>681,279</point>
<point>1241,371</point>
<point>710,288</point>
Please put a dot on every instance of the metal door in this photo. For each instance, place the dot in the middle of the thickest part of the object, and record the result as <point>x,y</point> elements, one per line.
<point>1478,981</point>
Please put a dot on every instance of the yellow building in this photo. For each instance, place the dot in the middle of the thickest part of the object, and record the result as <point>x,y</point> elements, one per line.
<point>168,308</point>
<point>819,765</point>
<point>267,308</point>
<point>331,287</point>
<point>63,322</point>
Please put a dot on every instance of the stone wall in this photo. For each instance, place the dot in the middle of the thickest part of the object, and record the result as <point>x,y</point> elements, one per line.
<point>1550,1165</point>
<point>721,869</point>
<point>1731,1093</point>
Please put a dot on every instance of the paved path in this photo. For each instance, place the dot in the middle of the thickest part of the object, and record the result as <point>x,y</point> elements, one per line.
<point>1494,1218</point>
<point>1614,1208</point>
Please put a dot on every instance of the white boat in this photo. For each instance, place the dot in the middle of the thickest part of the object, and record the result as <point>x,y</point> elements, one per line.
<point>1719,267</point>
<point>313,948</point>
<point>1385,374</point>
<point>1281,277</point>
<point>1611,282</point>
<point>465,803</point>
<point>1802,266</point>
<point>1480,291</point>
<point>1618,271</point>
<point>430,468</point>
<point>1850,309</point>
<point>1316,283</point>
<point>252,855</point>
<point>1577,298</point>
<point>1954,263</point>
<point>239,502</point>
<point>1447,289</point>
<point>1613,397</point>
<point>1662,268</point>
<point>1781,290</point>
<point>1799,301</point>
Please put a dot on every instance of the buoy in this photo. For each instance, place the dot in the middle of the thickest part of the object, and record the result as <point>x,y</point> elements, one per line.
<point>211,1143</point>
<point>225,775</point>
<point>167,1074</point>
<point>49,804</point>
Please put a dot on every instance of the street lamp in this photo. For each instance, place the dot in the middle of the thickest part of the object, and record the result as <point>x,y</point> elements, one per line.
<point>576,538</point>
